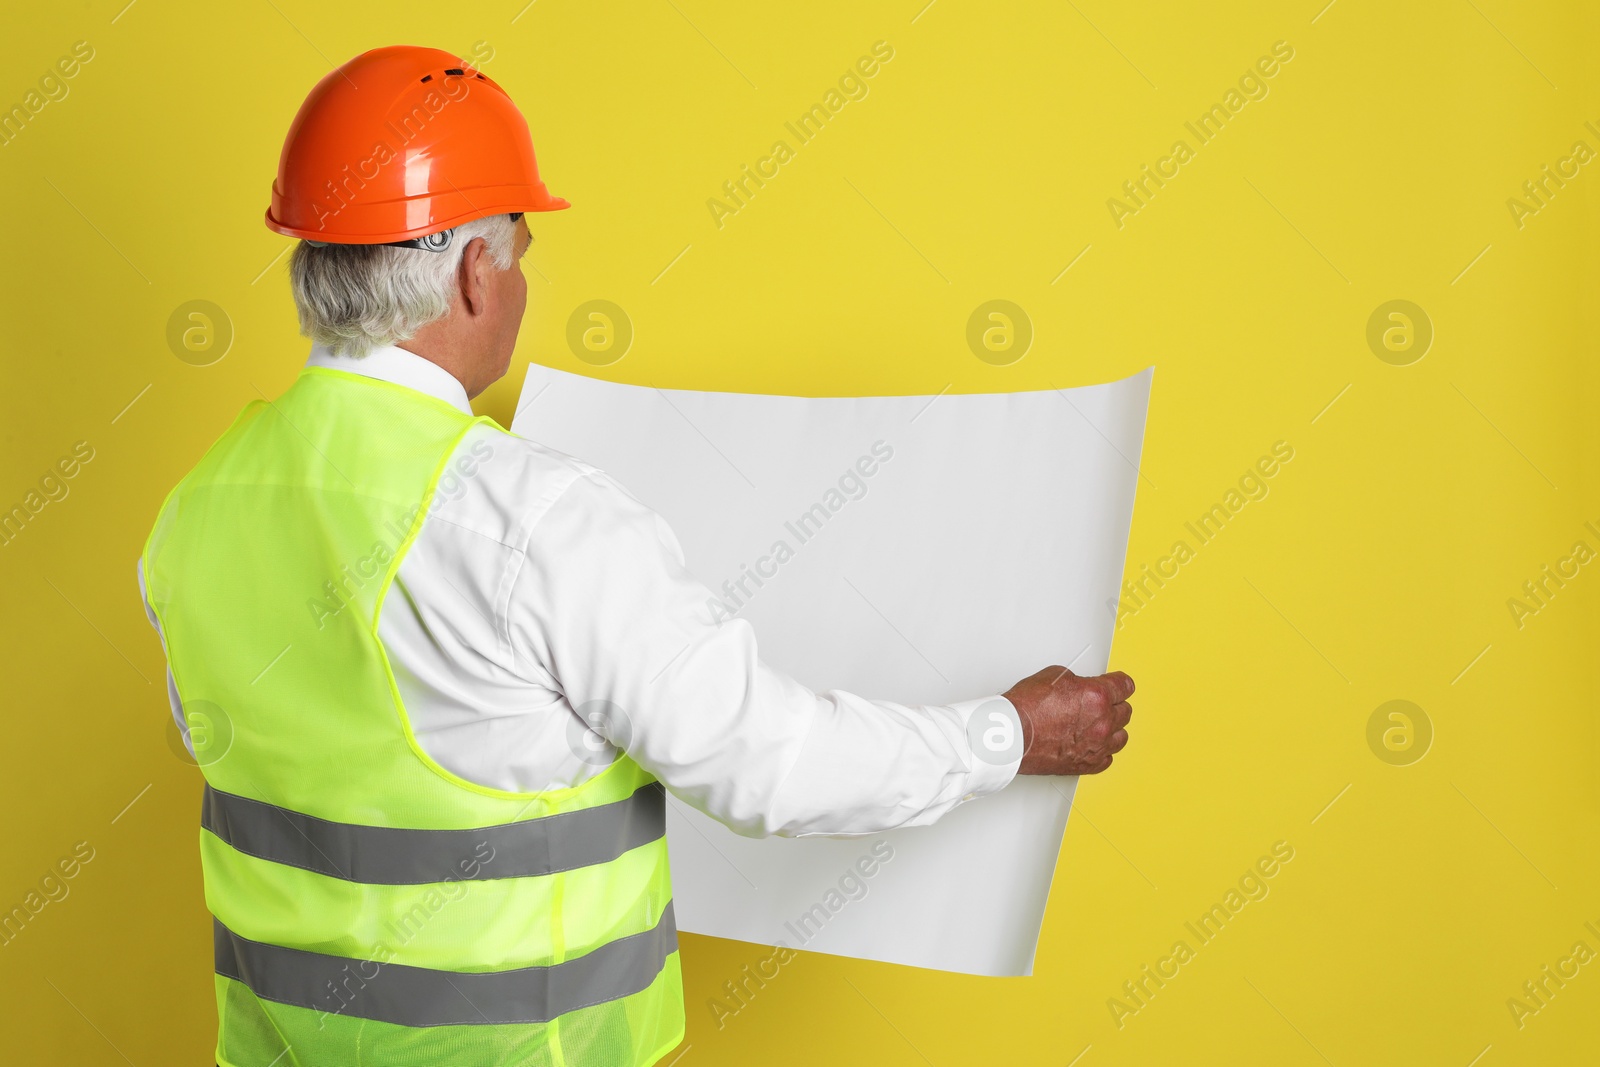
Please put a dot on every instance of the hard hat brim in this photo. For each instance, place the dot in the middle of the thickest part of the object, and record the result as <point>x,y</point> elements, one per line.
<point>531,201</point>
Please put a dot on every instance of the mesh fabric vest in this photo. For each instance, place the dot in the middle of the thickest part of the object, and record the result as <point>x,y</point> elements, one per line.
<point>370,907</point>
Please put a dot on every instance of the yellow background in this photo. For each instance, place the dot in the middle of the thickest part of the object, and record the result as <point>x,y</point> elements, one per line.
<point>978,167</point>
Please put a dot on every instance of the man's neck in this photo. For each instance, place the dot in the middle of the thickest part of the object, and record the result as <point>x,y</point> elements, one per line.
<point>446,356</point>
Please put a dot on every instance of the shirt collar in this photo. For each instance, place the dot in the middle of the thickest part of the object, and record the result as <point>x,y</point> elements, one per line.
<point>396,365</point>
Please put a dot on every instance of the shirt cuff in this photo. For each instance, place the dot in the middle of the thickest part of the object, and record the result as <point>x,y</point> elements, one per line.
<point>994,742</point>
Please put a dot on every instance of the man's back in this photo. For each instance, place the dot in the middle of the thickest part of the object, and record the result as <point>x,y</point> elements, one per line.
<point>365,897</point>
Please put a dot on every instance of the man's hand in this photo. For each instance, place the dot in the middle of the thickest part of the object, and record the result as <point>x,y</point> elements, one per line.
<point>1071,725</point>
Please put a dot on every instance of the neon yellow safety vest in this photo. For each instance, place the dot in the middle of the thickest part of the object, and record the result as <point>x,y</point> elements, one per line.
<point>370,907</point>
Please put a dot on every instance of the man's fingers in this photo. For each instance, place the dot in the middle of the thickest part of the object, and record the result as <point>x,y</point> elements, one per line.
<point>1118,686</point>
<point>1117,741</point>
<point>1120,714</point>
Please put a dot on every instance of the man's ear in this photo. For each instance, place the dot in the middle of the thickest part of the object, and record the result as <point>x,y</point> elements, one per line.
<point>473,276</point>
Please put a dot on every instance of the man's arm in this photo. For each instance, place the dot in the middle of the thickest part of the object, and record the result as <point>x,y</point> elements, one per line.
<point>604,602</point>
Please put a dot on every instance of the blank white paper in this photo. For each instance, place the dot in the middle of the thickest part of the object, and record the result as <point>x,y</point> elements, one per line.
<point>990,545</point>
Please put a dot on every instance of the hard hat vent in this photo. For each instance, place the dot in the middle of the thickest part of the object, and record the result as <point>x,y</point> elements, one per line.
<point>458,72</point>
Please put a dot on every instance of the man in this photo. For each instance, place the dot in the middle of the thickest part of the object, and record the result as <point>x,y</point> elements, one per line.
<point>437,675</point>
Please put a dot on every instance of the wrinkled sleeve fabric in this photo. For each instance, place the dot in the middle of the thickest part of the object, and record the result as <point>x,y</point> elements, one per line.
<point>603,601</point>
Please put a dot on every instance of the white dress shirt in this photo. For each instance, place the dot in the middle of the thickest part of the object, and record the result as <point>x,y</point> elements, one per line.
<point>543,619</point>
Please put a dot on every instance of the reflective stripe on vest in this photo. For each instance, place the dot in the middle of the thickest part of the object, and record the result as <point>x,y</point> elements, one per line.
<point>383,855</point>
<point>419,996</point>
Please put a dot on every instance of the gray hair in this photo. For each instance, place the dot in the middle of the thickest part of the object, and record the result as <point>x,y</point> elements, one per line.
<point>354,298</point>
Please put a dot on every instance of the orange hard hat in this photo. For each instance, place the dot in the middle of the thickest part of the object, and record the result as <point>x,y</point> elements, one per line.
<point>402,142</point>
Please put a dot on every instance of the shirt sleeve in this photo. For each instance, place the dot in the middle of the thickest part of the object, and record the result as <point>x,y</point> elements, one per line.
<point>603,600</point>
